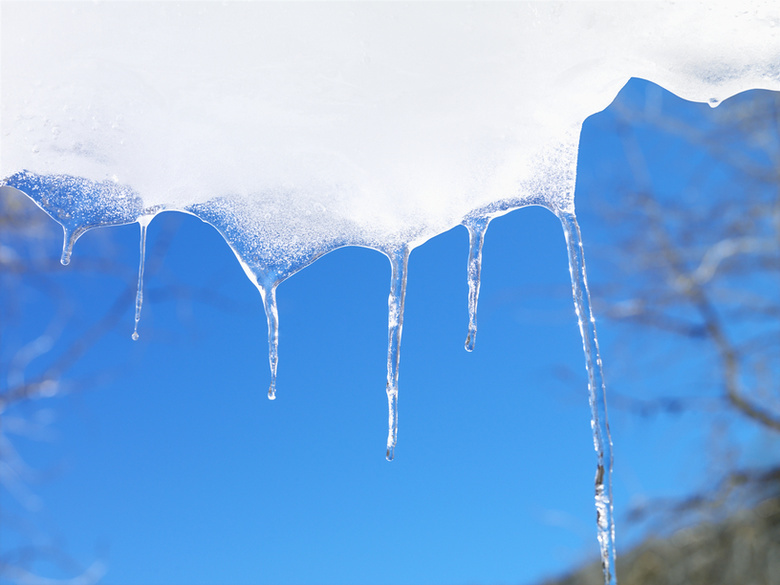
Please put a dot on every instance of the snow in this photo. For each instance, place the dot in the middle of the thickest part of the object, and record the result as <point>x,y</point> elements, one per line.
<point>327,124</point>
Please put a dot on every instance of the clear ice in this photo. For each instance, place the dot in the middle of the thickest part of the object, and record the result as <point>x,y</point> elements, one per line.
<point>477,227</point>
<point>143,223</point>
<point>272,316</point>
<point>399,262</point>
<point>366,124</point>
<point>597,394</point>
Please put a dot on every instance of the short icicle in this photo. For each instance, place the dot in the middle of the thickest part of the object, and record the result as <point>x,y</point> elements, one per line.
<point>399,260</point>
<point>272,315</point>
<point>602,440</point>
<point>69,238</point>
<point>477,227</point>
<point>143,223</point>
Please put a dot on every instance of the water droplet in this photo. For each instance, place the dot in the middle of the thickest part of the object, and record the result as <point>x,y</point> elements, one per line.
<point>135,336</point>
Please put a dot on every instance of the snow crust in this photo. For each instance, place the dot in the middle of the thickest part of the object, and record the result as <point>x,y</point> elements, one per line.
<point>298,127</point>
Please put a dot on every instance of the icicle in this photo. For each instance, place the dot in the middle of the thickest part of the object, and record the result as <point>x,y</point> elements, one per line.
<point>477,228</point>
<point>69,238</point>
<point>143,223</point>
<point>602,440</point>
<point>272,315</point>
<point>399,260</point>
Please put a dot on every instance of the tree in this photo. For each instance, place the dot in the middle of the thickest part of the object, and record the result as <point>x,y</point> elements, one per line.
<point>27,389</point>
<point>46,331</point>
<point>688,275</point>
<point>633,292</point>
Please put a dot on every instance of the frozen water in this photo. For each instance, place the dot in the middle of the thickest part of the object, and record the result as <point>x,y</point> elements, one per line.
<point>143,223</point>
<point>597,396</point>
<point>477,228</point>
<point>298,128</point>
<point>399,261</point>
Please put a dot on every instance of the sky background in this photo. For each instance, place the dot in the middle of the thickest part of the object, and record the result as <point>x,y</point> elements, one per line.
<point>164,459</point>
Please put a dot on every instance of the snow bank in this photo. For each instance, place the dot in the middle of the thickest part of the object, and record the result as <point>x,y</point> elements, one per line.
<point>299,127</point>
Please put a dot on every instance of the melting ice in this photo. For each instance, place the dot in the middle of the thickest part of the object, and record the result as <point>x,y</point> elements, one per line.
<point>298,128</point>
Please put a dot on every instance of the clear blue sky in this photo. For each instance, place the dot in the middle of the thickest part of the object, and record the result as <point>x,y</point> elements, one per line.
<point>170,463</point>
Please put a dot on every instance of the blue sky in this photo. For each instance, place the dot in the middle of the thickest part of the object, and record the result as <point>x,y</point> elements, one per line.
<point>169,463</point>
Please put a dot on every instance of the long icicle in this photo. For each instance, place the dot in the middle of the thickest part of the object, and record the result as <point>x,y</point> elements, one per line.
<point>272,315</point>
<point>399,260</point>
<point>602,441</point>
<point>143,223</point>
<point>476,228</point>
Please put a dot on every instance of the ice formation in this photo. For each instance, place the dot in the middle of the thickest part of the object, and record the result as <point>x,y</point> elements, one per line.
<point>298,128</point>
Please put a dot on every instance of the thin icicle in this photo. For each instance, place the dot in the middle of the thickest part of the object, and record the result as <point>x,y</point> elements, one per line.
<point>399,260</point>
<point>143,223</point>
<point>69,238</point>
<point>477,228</point>
<point>602,441</point>
<point>272,315</point>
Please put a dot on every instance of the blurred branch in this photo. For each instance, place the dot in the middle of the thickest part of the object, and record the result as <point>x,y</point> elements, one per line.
<point>696,279</point>
<point>694,291</point>
<point>754,485</point>
<point>42,367</point>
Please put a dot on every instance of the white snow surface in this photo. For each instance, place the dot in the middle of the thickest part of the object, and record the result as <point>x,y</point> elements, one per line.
<point>305,126</point>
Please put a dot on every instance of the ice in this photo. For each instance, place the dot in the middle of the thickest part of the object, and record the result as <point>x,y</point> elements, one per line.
<point>477,228</point>
<point>143,223</point>
<point>399,262</point>
<point>298,128</point>
<point>78,204</point>
<point>597,395</point>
